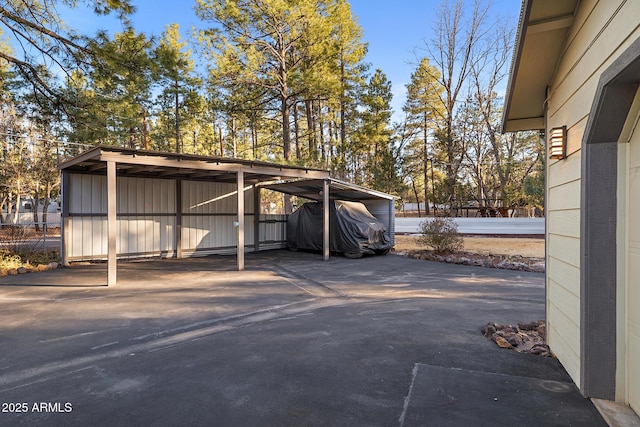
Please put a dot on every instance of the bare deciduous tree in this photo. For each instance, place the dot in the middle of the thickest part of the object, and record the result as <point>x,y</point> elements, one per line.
<point>456,47</point>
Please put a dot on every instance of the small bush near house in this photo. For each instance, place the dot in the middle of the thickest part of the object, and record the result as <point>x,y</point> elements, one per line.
<point>441,234</point>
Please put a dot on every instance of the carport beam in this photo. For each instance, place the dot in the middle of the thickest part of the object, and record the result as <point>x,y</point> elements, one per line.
<point>111,223</point>
<point>325,219</point>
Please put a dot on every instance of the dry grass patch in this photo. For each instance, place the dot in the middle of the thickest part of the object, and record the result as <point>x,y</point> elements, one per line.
<point>526,247</point>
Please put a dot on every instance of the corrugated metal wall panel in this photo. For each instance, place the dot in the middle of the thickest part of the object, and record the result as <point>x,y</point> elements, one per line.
<point>273,229</point>
<point>213,198</point>
<point>137,236</point>
<point>146,218</point>
<point>209,213</point>
<point>215,234</point>
<point>146,221</point>
<point>385,212</point>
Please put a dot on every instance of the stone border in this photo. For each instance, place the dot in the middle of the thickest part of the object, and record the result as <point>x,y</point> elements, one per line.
<point>29,269</point>
<point>513,262</point>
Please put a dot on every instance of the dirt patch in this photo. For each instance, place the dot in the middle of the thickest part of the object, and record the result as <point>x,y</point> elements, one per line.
<point>510,246</point>
<point>525,254</point>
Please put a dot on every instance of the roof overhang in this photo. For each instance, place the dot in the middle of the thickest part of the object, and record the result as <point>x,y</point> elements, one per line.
<point>294,180</point>
<point>162,165</point>
<point>338,190</point>
<point>540,41</point>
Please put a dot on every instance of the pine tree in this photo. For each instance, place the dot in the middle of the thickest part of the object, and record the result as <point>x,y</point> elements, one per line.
<point>111,103</point>
<point>376,134</point>
<point>423,108</point>
<point>43,41</point>
<point>174,71</point>
<point>268,44</point>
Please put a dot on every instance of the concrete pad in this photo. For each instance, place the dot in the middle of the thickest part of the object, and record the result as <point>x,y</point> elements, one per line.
<point>616,414</point>
<point>459,397</point>
<point>292,340</point>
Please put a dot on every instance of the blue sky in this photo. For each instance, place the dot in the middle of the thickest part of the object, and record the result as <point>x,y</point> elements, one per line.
<point>394,29</point>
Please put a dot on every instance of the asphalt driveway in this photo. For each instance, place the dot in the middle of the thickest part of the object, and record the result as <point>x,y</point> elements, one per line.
<point>293,340</point>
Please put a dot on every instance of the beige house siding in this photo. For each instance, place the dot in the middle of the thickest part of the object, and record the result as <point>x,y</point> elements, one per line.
<point>632,288</point>
<point>600,32</point>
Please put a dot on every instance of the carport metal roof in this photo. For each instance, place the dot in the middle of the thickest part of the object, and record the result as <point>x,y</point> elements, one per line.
<point>338,190</point>
<point>163,165</point>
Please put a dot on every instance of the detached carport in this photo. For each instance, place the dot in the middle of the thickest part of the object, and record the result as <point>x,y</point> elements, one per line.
<point>381,205</point>
<point>127,203</point>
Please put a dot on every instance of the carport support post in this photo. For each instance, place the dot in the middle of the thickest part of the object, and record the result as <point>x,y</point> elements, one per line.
<point>325,219</point>
<point>66,219</point>
<point>178,230</point>
<point>111,223</point>
<point>256,218</point>
<point>240,249</point>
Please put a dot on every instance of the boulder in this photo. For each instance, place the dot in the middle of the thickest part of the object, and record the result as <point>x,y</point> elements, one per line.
<point>503,343</point>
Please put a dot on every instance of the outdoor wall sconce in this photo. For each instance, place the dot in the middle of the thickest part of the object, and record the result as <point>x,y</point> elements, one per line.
<point>558,143</point>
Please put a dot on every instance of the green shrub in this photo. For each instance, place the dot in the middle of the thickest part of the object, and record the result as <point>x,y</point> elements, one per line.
<point>441,234</point>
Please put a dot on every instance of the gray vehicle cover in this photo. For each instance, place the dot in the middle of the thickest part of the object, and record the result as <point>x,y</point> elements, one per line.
<point>353,230</point>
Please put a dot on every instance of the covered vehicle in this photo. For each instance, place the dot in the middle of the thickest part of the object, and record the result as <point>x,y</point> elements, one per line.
<point>353,230</point>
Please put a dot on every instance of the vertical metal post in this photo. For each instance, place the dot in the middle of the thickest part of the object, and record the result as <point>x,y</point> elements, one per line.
<point>256,218</point>
<point>111,223</point>
<point>65,223</point>
<point>325,220</point>
<point>178,230</point>
<point>240,249</point>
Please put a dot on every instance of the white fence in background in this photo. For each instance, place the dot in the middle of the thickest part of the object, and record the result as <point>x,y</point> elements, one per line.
<point>26,218</point>
<point>476,225</point>
<point>525,226</point>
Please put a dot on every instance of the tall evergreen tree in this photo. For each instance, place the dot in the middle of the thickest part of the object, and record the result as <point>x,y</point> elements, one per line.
<point>423,109</point>
<point>376,133</point>
<point>111,103</point>
<point>42,40</point>
<point>351,68</point>
<point>268,44</point>
<point>174,71</point>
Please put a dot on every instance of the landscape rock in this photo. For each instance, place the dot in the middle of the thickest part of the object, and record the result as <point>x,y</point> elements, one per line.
<point>502,342</point>
<point>528,326</point>
<point>523,338</point>
<point>489,330</point>
<point>516,262</point>
<point>22,270</point>
<point>515,340</point>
